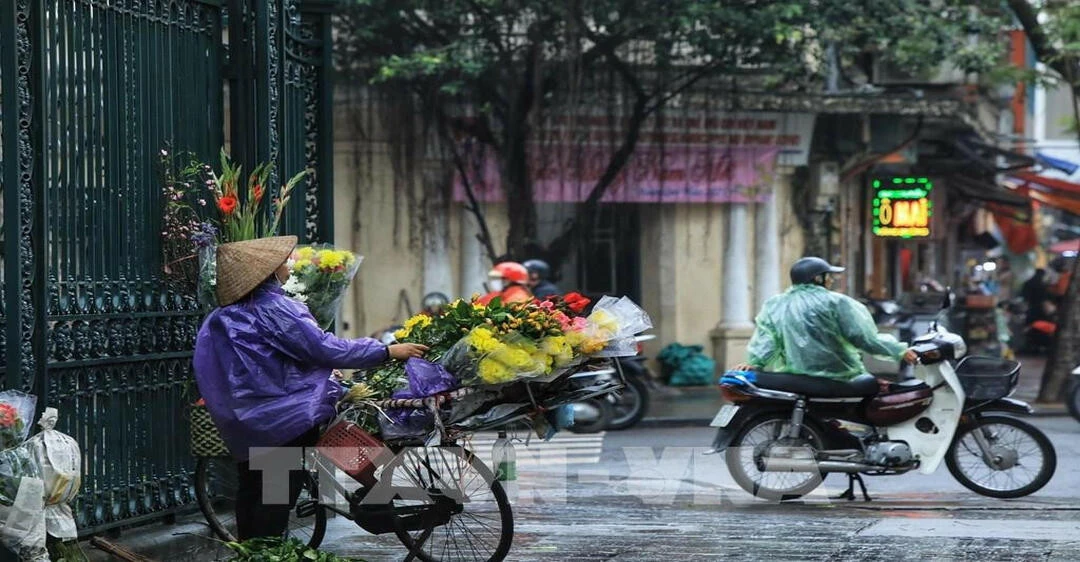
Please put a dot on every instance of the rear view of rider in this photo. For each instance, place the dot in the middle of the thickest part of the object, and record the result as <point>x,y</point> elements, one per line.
<point>811,330</point>
<point>507,281</point>
<point>540,279</point>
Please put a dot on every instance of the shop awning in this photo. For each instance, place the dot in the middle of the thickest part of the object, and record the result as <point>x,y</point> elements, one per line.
<point>986,191</point>
<point>1044,183</point>
<point>1069,168</point>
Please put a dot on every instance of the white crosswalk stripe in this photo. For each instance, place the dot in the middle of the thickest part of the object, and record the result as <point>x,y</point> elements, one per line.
<point>563,449</point>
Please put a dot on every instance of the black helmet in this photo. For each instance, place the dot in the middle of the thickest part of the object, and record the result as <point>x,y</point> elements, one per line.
<point>807,269</point>
<point>435,300</point>
<point>539,267</point>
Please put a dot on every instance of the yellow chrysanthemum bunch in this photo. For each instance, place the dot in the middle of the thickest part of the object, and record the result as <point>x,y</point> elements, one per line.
<point>493,372</point>
<point>418,321</point>
<point>558,349</point>
<point>483,340</point>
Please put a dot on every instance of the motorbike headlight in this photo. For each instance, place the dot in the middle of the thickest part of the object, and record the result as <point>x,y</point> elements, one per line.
<point>958,344</point>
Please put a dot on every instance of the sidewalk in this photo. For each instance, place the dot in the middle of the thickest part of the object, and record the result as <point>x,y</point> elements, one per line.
<point>696,405</point>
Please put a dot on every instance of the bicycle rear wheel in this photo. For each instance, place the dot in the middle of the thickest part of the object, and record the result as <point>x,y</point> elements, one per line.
<point>215,492</point>
<point>480,525</point>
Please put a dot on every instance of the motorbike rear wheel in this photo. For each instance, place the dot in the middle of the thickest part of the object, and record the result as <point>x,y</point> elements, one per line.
<point>1003,470</point>
<point>746,457</point>
<point>630,405</point>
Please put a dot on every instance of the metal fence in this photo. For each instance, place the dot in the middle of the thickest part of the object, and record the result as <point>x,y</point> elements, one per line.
<point>90,92</point>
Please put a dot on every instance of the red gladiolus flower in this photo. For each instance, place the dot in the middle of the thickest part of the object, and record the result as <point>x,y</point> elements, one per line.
<point>576,302</point>
<point>8,415</point>
<point>227,204</point>
<point>258,193</point>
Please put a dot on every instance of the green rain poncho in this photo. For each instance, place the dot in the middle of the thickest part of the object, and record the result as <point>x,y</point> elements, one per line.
<point>811,330</point>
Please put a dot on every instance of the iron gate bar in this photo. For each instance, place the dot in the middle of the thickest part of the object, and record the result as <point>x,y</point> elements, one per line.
<point>91,90</point>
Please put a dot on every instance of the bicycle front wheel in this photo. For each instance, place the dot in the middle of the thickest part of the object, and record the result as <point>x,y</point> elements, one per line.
<point>450,484</point>
<point>215,492</point>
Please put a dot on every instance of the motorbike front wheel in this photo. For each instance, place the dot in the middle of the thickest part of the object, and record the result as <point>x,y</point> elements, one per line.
<point>1001,457</point>
<point>1072,399</point>
<point>747,457</point>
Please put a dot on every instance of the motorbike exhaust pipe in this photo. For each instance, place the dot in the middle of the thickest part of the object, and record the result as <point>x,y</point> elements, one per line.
<point>808,465</point>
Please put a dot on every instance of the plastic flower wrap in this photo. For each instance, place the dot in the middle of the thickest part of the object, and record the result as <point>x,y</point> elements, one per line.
<point>22,503</point>
<point>59,459</point>
<point>208,276</point>
<point>318,277</point>
<point>485,356</point>
<point>15,409</point>
<point>611,327</point>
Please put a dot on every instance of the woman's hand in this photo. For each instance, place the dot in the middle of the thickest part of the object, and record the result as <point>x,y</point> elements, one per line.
<point>403,351</point>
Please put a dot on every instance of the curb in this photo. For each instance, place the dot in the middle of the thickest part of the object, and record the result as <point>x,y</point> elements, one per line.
<point>187,539</point>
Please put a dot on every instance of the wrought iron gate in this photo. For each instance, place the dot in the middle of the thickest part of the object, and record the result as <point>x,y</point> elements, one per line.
<point>90,91</point>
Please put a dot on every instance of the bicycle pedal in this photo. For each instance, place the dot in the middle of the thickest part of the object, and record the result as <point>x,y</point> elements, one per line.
<point>306,508</point>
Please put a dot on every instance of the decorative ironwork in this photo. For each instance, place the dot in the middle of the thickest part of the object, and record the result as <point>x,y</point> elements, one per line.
<point>100,334</point>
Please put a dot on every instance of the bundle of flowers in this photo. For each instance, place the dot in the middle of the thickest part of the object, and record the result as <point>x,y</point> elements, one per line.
<point>15,408</point>
<point>488,347</point>
<point>204,209</point>
<point>318,277</point>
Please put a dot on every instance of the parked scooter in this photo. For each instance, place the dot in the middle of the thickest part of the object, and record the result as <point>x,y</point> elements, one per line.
<point>631,404</point>
<point>1072,398</point>
<point>594,413</point>
<point>783,433</point>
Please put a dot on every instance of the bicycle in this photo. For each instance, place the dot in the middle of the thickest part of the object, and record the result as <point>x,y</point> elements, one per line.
<point>436,499</point>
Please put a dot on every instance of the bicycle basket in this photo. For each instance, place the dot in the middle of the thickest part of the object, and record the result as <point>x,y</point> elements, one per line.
<point>205,438</point>
<point>987,378</point>
<point>353,450</point>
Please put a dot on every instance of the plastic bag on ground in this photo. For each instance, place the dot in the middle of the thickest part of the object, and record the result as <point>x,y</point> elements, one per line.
<point>60,461</point>
<point>811,330</point>
<point>686,365</point>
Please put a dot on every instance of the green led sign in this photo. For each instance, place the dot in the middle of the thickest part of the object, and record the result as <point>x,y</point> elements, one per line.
<point>902,207</point>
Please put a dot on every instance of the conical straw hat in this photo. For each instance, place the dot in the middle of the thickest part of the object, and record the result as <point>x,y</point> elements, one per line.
<point>243,266</point>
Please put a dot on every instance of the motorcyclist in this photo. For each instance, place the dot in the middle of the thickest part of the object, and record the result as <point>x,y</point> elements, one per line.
<point>507,281</point>
<point>811,330</point>
<point>540,279</point>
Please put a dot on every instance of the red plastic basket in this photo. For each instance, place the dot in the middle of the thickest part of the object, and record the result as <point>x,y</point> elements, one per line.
<point>353,450</point>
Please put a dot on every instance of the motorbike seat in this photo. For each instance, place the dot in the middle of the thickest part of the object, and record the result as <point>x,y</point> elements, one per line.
<point>819,387</point>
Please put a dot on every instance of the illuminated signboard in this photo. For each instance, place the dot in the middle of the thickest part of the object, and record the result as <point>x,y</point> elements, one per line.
<point>902,207</point>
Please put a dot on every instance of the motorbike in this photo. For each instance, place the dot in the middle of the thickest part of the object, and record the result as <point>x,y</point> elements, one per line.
<point>616,410</point>
<point>631,404</point>
<point>781,434</point>
<point>1072,399</point>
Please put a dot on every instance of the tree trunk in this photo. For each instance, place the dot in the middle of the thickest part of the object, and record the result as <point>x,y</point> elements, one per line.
<point>520,204</point>
<point>1066,352</point>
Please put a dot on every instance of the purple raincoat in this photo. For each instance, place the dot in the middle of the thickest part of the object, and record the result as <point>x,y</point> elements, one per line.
<point>263,366</point>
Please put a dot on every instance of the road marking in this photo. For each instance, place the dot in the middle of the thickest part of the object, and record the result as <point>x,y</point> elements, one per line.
<point>1019,529</point>
<point>563,449</point>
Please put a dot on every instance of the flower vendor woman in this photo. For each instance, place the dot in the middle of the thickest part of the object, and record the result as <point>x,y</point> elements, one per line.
<point>264,368</point>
